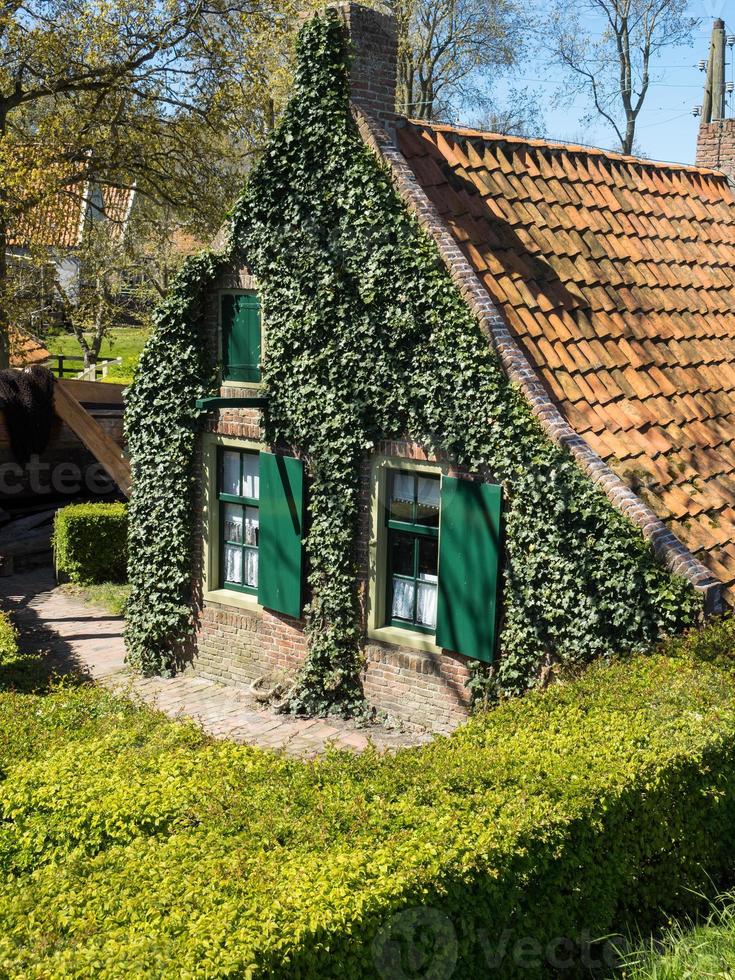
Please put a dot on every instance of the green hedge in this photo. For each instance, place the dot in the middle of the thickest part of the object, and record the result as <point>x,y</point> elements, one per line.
<point>90,542</point>
<point>135,846</point>
<point>8,639</point>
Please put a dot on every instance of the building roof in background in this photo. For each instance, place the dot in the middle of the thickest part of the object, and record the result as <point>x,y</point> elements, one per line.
<point>617,277</point>
<point>26,350</point>
<point>58,221</point>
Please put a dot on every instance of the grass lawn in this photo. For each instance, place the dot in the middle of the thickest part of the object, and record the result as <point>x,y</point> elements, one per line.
<point>125,342</point>
<point>110,595</point>
<point>686,953</point>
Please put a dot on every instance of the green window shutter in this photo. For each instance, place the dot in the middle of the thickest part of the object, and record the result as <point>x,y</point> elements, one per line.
<point>281,531</point>
<point>240,337</point>
<point>469,556</point>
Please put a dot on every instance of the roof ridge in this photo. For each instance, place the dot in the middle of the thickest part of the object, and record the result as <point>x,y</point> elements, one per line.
<point>589,150</point>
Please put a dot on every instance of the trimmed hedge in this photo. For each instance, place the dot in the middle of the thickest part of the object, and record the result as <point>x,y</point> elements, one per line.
<point>8,639</point>
<point>90,542</point>
<point>135,846</point>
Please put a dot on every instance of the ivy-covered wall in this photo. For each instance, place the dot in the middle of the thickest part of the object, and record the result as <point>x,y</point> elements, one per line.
<point>368,339</point>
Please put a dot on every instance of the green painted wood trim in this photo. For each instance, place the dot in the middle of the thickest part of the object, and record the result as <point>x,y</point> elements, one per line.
<point>241,341</point>
<point>214,401</point>
<point>469,560</point>
<point>281,533</point>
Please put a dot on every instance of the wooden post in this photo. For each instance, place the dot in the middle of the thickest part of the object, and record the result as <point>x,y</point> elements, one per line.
<point>718,70</point>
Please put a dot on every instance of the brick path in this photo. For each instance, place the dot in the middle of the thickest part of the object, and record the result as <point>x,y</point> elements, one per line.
<point>88,640</point>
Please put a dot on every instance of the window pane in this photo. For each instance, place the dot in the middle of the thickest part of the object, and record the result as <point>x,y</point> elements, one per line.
<point>427,509</point>
<point>231,473</point>
<point>402,599</point>
<point>426,604</point>
<point>402,491</point>
<point>251,526</point>
<point>251,475</point>
<point>233,564</point>
<point>428,558</point>
<point>251,567</point>
<point>402,546</point>
<point>233,522</point>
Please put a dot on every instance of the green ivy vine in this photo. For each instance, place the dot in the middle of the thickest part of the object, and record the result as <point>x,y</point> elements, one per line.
<point>161,425</point>
<point>368,339</point>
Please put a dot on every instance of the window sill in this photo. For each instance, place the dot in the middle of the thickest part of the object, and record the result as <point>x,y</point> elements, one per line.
<point>238,600</point>
<point>256,385</point>
<point>396,636</point>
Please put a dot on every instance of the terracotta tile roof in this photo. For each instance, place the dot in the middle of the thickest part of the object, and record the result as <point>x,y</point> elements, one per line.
<point>57,221</point>
<point>25,350</point>
<point>617,276</point>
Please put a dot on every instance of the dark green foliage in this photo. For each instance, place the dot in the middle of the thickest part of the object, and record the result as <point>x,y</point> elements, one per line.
<point>160,427</point>
<point>135,846</point>
<point>90,542</point>
<point>368,339</point>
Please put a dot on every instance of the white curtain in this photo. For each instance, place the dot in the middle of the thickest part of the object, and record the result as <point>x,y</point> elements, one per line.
<point>251,476</point>
<point>233,522</point>
<point>251,526</point>
<point>402,599</point>
<point>233,564</point>
<point>251,567</point>
<point>403,486</point>
<point>426,604</point>
<point>231,474</point>
<point>428,492</point>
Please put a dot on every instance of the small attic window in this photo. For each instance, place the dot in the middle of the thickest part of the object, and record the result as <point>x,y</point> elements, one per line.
<point>241,336</point>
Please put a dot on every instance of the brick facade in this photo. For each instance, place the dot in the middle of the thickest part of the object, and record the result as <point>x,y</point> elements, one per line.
<point>716,146</point>
<point>237,646</point>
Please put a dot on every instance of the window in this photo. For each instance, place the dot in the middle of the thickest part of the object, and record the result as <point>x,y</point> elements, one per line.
<point>241,328</point>
<point>413,550</point>
<point>238,492</point>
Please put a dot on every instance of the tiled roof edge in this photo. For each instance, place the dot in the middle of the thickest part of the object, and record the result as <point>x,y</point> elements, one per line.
<point>540,144</point>
<point>665,543</point>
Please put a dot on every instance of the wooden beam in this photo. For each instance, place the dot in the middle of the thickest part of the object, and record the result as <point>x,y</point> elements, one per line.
<point>94,392</point>
<point>105,450</point>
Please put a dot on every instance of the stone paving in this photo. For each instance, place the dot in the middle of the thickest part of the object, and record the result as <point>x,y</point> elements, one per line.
<point>85,639</point>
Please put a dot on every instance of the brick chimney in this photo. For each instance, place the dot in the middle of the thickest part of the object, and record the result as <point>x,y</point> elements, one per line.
<point>716,137</point>
<point>375,64</point>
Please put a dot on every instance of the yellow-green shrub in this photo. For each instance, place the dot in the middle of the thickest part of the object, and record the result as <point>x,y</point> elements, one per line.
<point>8,638</point>
<point>91,542</point>
<point>134,846</point>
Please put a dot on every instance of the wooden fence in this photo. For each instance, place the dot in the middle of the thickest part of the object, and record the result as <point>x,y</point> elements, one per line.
<point>57,365</point>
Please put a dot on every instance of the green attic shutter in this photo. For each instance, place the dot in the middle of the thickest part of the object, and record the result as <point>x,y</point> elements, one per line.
<point>469,557</point>
<point>281,531</point>
<point>240,337</point>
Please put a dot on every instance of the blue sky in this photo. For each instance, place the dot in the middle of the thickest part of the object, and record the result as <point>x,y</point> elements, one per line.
<point>666,129</point>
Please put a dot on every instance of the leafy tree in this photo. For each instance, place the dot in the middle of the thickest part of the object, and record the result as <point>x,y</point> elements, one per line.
<point>613,70</point>
<point>450,51</point>
<point>170,95</point>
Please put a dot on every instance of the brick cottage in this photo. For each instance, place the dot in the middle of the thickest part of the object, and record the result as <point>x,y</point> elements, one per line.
<point>604,283</point>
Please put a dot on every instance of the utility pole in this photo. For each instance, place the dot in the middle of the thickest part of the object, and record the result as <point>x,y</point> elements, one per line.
<point>713,105</point>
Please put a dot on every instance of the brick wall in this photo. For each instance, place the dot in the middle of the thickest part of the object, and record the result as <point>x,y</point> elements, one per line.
<point>716,146</point>
<point>237,646</point>
<point>375,65</point>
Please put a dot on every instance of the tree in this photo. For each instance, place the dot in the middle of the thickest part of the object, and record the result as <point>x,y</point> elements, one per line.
<point>169,95</point>
<point>449,52</point>
<point>520,116</point>
<point>614,69</point>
